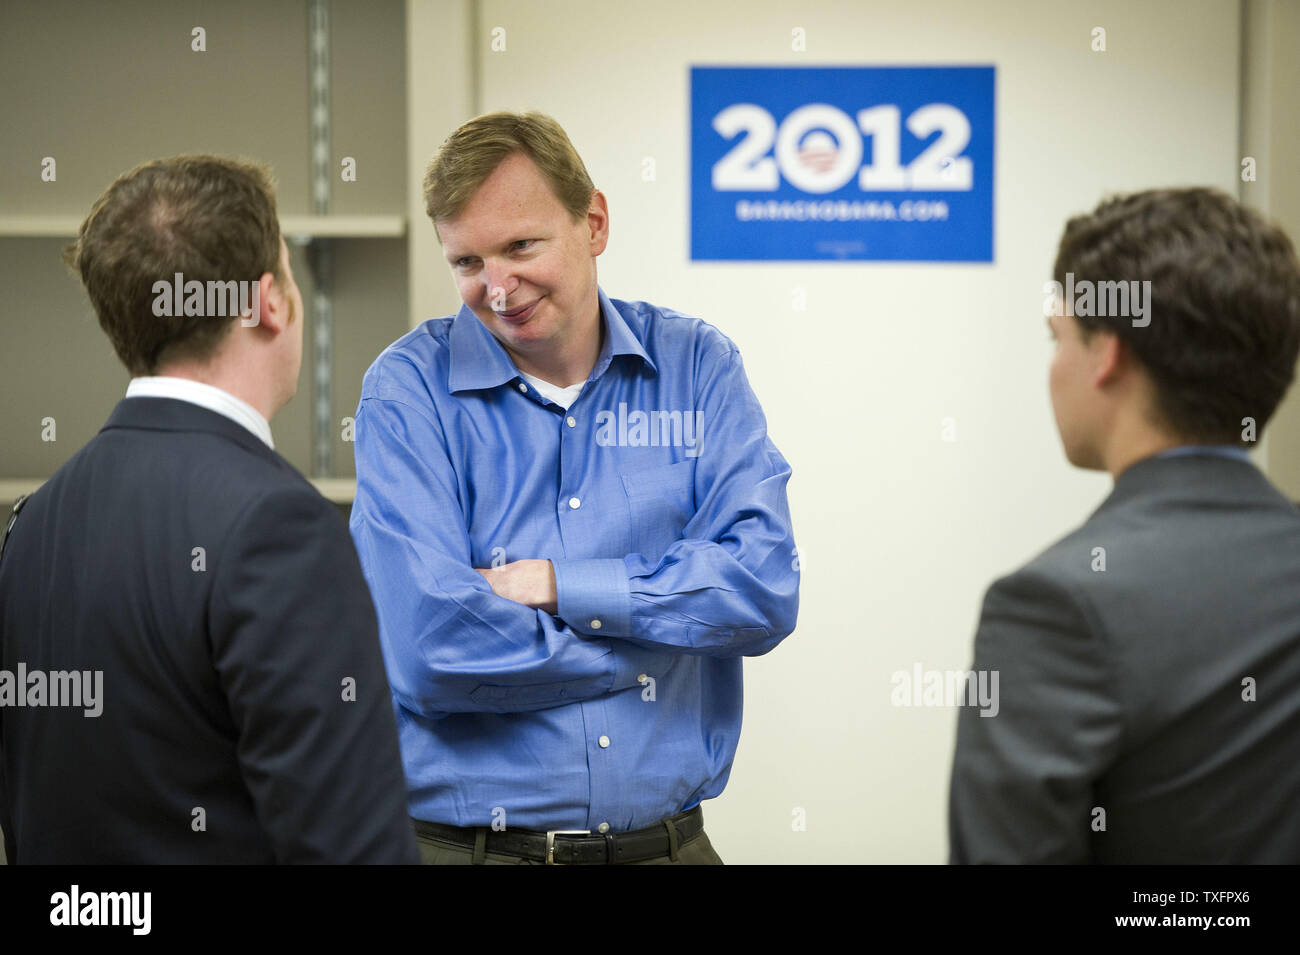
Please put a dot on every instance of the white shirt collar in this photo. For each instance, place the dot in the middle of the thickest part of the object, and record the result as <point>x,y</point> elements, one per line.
<point>206,396</point>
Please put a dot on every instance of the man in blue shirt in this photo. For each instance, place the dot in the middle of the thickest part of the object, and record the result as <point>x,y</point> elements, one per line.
<point>574,526</point>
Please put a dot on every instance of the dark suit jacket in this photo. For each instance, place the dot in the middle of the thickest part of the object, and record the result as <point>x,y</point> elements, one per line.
<point>225,734</point>
<point>1122,690</point>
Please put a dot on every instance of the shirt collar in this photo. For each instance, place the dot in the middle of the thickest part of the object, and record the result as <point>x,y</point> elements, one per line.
<point>479,361</point>
<point>206,396</point>
<point>1217,450</point>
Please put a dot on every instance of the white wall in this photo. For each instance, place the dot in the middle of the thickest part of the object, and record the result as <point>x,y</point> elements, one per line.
<point>901,531</point>
<point>1271,136</point>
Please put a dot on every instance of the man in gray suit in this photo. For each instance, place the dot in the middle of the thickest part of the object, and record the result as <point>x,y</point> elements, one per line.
<point>1149,662</point>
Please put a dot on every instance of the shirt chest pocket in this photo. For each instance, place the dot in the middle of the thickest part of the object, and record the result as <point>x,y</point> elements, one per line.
<point>661,502</point>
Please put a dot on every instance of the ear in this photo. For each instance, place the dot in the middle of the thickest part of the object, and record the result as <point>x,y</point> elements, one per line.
<point>1109,357</point>
<point>598,222</point>
<point>272,311</point>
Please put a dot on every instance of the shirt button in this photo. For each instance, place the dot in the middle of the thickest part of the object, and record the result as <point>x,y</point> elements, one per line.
<point>604,742</point>
<point>571,421</point>
<point>642,678</point>
<point>603,827</point>
<point>523,387</point>
<point>574,503</point>
<point>595,625</point>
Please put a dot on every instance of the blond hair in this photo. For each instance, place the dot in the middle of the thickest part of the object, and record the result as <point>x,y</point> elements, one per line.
<point>472,153</point>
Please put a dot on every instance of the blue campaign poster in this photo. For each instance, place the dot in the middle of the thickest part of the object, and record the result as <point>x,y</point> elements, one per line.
<point>842,163</point>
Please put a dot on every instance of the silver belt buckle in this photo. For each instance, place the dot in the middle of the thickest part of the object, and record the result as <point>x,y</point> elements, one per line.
<point>550,841</point>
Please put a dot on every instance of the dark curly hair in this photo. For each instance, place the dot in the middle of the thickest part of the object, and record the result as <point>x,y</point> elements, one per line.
<point>1224,303</point>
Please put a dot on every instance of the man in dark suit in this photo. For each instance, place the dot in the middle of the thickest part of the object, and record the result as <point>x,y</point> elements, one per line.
<point>191,663</point>
<point>1149,662</point>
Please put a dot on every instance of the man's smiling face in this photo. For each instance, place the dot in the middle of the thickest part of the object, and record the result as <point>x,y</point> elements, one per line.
<point>523,266</point>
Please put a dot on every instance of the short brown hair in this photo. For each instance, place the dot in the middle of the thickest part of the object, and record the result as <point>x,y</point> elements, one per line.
<point>209,218</point>
<point>1224,319</point>
<point>472,153</point>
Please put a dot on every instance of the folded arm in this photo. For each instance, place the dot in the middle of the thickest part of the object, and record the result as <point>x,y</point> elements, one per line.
<point>451,643</point>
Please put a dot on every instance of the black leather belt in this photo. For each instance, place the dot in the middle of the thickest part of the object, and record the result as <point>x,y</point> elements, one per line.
<point>577,847</point>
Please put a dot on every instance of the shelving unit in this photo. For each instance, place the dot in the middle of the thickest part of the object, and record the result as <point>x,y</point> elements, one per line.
<point>293,227</point>
<point>74,102</point>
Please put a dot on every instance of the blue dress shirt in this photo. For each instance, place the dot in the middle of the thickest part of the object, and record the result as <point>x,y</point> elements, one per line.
<point>660,501</point>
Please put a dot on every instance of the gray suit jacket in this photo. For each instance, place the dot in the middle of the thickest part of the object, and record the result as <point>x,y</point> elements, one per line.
<point>1125,694</point>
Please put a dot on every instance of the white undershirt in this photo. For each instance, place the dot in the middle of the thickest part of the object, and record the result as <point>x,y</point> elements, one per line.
<point>561,396</point>
<point>205,396</point>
